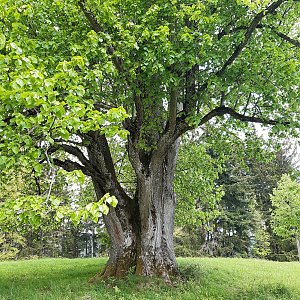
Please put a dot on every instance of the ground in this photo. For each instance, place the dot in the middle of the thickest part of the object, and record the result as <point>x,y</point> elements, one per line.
<point>205,278</point>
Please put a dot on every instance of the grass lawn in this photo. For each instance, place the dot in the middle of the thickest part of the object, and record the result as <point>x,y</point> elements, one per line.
<point>207,278</point>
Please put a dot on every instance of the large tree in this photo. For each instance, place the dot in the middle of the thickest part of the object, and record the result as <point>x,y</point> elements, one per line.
<point>67,67</point>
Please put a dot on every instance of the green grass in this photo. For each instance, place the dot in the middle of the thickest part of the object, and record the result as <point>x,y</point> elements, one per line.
<point>206,278</point>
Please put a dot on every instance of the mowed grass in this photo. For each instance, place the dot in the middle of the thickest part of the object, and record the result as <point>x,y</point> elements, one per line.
<point>205,278</point>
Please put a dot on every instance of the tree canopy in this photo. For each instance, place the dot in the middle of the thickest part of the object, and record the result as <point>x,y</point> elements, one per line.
<point>64,64</point>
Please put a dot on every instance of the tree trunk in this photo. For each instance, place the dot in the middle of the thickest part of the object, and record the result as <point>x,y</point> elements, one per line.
<point>121,226</point>
<point>157,207</point>
<point>141,229</point>
<point>298,246</point>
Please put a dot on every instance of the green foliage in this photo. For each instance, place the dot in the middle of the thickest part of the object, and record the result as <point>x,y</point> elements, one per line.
<point>36,86</point>
<point>37,211</point>
<point>195,184</point>
<point>238,223</point>
<point>50,225</point>
<point>58,77</point>
<point>286,203</point>
<point>261,237</point>
<point>10,245</point>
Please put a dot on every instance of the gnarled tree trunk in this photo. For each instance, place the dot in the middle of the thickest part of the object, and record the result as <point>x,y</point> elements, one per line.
<point>121,225</point>
<point>141,229</point>
<point>157,207</point>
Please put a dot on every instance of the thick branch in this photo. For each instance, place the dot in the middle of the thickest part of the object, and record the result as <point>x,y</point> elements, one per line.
<point>255,22</point>
<point>99,153</point>
<point>70,166</point>
<point>97,28</point>
<point>139,109</point>
<point>183,127</point>
<point>220,111</point>
<point>167,138</point>
<point>280,34</point>
<point>78,154</point>
<point>60,141</point>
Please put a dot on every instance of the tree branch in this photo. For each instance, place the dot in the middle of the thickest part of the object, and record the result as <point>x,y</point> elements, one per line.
<point>253,25</point>
<point>77,153</point>
<point>280,34</point>
<point>255,22</point>
<point>89,15</point>
<point>97,28</point>
<point>101,105</point>
<point>70,166</point>
<point>26,113</point>
<point>287,38</point>
<point>183,127</point>
<point>223,110</point>
<point>70,142</point>
<point>173,110</point>
<point>139,109</point>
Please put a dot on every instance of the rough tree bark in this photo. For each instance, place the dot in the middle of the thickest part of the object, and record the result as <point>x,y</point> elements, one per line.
<point>157,202</point>
<point>120,225</point>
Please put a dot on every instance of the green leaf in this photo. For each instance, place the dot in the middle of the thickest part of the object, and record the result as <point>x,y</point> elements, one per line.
<point>112,200</point>
<point>38,168</point>
<point>104,209</point>
<point>64,133</point>
<point>79,176</point>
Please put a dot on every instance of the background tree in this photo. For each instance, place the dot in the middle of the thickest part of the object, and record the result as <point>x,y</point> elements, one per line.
<point>264,178</point>
<point>66,67</point>
<point>238,222</point>
<point>286,215</point>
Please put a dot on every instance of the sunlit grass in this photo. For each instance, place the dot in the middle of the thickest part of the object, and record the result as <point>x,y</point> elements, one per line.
<point>206,278</point>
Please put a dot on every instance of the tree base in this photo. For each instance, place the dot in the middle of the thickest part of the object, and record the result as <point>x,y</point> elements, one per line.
<point>123,268</point>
